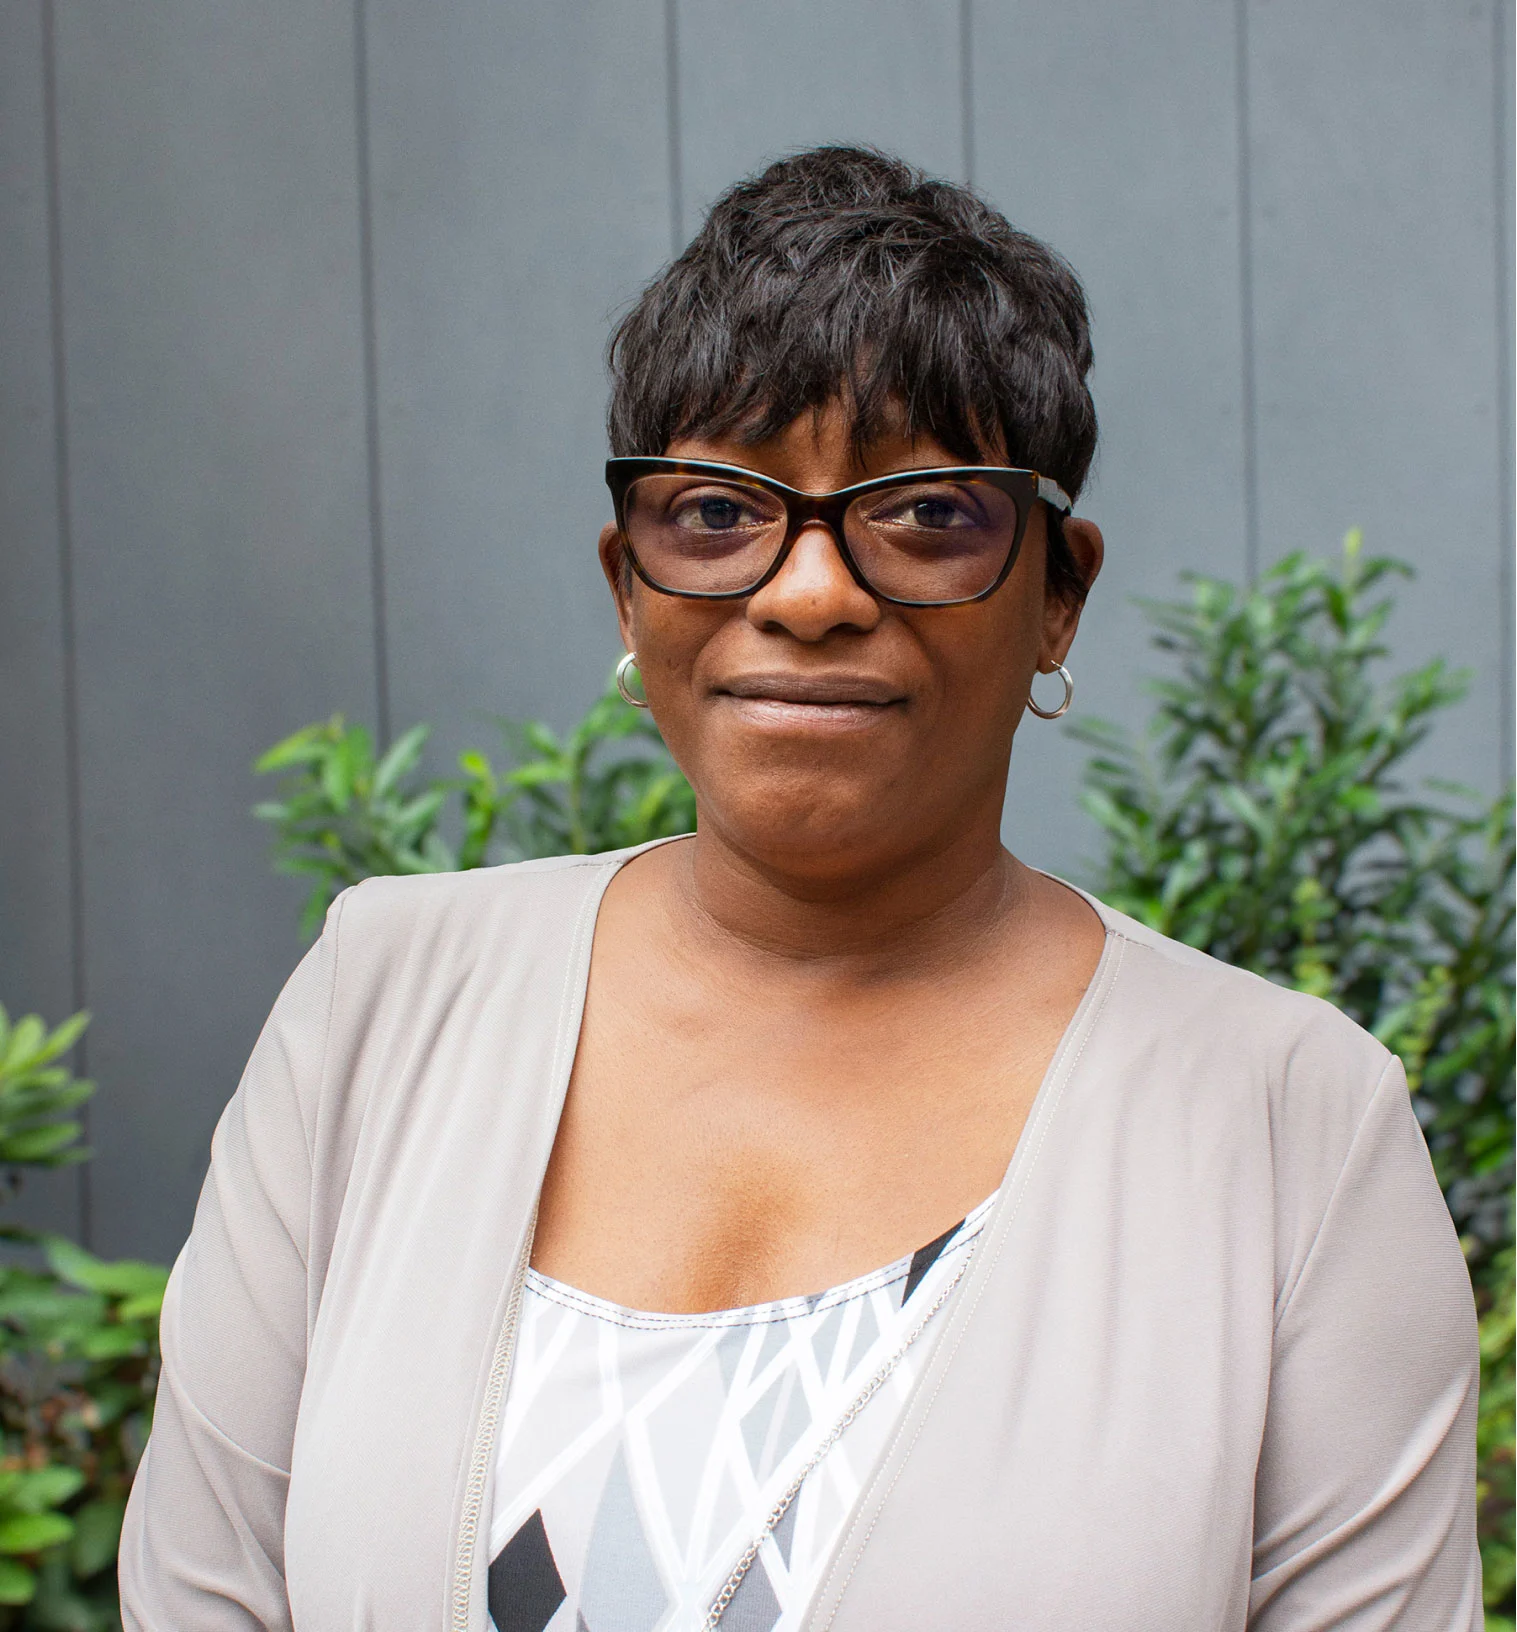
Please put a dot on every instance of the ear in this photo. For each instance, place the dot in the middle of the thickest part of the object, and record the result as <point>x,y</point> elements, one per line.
<point>1061,618</point>
<point>613,562</point>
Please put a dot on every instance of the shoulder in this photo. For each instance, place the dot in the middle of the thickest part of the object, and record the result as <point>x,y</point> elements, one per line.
<point>1278,1088</point>
<point>421,986</point>
<point>1291,1066</point>
<point>403,953</point>
<point>386,923</point>
<point>1219,1008</point>
<point>390,905</point>
<point>393,948</point>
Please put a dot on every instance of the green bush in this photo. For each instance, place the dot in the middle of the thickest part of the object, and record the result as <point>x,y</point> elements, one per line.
<point>36,1095</point>
<point>345,815</point>
<point>1263,817</point>
<point>1495,1451</point>
<point>78,1365</point>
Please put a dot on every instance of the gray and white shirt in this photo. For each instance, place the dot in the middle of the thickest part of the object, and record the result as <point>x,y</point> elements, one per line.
<point>640,1454</point>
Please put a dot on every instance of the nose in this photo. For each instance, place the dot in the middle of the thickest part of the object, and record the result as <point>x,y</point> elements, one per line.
<point>814,593</point>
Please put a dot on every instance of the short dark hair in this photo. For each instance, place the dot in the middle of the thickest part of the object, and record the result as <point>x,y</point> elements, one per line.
<point>843,273</point>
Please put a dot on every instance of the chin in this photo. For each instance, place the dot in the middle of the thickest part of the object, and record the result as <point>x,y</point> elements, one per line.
<point>818,823</point>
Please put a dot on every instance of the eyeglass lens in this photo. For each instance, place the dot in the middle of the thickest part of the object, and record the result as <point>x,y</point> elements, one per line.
<point>920,541</point>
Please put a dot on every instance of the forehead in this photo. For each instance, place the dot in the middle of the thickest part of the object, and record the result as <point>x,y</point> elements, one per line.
<point>820,450</point>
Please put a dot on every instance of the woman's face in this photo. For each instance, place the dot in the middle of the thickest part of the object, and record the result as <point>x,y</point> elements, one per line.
<point>826,732</point>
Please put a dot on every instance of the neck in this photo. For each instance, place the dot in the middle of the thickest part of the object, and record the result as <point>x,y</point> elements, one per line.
<point>915,911</point>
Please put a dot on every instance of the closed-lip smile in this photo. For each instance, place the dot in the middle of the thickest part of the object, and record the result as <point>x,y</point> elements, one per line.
<point>832,690</point>
<point>804,704</point>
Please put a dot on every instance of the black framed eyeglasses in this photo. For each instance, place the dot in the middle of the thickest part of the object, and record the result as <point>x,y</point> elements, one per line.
<point>715,532</point>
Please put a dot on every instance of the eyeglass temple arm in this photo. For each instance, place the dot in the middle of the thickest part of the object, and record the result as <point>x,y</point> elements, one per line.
<point>1051,493</point>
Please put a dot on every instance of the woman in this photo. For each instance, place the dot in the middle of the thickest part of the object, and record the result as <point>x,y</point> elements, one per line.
<point>826,1221</point>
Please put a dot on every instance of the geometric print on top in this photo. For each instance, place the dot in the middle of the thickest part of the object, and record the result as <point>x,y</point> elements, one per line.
<point>638,1455</point>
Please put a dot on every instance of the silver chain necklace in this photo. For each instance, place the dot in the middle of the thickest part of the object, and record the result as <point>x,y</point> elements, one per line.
<point>861,1399</point>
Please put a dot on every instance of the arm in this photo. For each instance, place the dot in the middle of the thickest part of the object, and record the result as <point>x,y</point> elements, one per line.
<point>1365,1498</point>
<point>203,1542</point>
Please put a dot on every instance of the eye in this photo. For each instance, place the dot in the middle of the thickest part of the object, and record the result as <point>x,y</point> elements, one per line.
<point>937,511</point>
<point>719,510</point>
<point>933,509</point>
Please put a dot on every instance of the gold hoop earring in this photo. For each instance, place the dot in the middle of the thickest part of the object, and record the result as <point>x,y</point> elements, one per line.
<point>1069,696</point>
<point>628,663</point>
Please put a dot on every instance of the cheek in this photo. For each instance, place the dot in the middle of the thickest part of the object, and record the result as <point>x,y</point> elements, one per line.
<point>670,636</point>
<point>984,658</point>
<point>668,633</point>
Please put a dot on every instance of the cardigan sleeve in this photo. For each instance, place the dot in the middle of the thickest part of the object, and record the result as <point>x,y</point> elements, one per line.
<point>1365,1495</point>
<point>202,1546</point>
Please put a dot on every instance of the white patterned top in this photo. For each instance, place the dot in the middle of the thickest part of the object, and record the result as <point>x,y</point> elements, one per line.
<point>639,1455</point>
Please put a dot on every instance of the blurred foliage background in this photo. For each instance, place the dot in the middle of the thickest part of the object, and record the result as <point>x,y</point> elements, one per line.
<point>1266,815</point>
<point>345,814</point>
<point>78,1363</point>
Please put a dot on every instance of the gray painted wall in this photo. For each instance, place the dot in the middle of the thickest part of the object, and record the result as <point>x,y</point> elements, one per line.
<point>301,313</point>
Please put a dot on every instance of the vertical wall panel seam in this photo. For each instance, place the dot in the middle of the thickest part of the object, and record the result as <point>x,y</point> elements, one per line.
<point>966,85</point>
<point>1249,406</point>
<point>67,626</point>
<point>370,370</point>
<point>672,132</point>
<point>1506,473</point>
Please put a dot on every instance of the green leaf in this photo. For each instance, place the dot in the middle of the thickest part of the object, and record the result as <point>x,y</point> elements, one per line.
<point>543,742</point>
<point>123,1277</point>
<point>537,773</point>
<point>401,758</point>
<point>141,1306</point>
<point>97,1535</point>
<point>17,1583</point>
<point>26,1039</point>
<point>301,747</point>
<point>65,1036</point>
<point>38,1144</point>
<point>112,1343</point>
<point>37,1489</point>
<point>31,1532</point>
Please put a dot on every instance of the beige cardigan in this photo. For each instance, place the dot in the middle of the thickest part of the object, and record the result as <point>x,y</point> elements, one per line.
<point>1213,1366</point>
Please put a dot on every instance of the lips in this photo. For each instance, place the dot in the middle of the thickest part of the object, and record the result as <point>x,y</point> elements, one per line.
<point>833,690</point>
<point>808,705</point>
